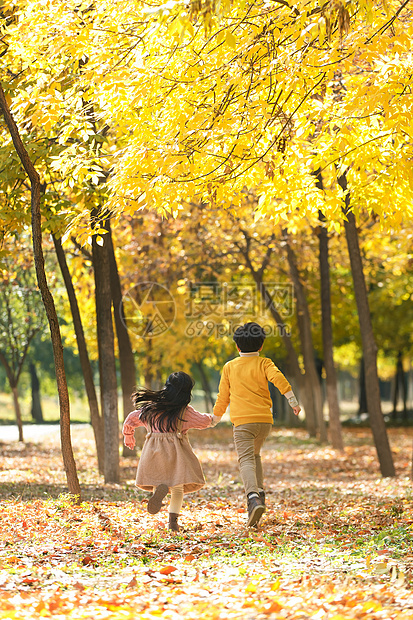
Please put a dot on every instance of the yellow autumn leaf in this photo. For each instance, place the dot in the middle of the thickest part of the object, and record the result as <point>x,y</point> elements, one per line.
<point>230,39</point>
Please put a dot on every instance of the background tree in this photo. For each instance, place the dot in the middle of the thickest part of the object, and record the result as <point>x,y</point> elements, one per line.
<point>36,408</point>
<point>21,318</point>
<point>35,189</point>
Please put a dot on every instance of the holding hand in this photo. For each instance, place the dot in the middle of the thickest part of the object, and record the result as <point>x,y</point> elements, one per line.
<point>297,409</point>
<point>129,441</point>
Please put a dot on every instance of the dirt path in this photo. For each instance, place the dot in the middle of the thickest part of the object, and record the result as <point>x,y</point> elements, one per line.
<point>34,432</point>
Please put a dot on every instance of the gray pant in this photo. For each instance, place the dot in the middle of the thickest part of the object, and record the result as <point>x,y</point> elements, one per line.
<point>249,439</point>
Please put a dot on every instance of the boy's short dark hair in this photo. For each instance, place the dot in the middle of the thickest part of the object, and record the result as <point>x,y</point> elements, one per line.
<point>249,337</point>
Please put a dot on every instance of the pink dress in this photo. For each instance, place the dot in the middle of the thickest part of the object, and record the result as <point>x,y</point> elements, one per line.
<point>168,458</point>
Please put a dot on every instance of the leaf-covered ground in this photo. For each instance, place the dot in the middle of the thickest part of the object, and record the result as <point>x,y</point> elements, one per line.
<point>334,544</point>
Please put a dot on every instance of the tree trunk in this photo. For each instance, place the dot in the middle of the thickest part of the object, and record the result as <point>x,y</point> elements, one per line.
<point>67,451</point>
<point>17,411</point>
<point>148,367</point>
<point>400,387</point>
<point>107,363</point>
<point>36,411</point>
<point>304,327</point>
<point>396,392</point>
<point>126,357</point>
<point>403,381</point>
<point>95,417</point>
<point>362,389</point>
<point>334,429</point>
<point>209,401</point>
<point>368,343</point>
<point>13,382</point>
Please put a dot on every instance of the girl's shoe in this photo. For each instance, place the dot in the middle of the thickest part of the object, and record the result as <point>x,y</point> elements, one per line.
<point>173,522</point>
<point>155,502</point>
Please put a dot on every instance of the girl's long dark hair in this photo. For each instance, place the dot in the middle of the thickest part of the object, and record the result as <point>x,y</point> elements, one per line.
<point>162,409</point>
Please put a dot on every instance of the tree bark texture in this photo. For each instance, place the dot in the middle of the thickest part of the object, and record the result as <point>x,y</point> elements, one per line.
<point>400,387</point>
<point>36,410</point>
<point>107,363</point>
<point>362,389</point>
<point>149,377</point>
<point>126,357</point>
<point>209,401</point>
<point>17,411</point>
<point>368,342</point>
<point>336,436</point>
<point>95,417</point>
<point>13,379</point>
<point>304,326</point>
<point>66,444</point>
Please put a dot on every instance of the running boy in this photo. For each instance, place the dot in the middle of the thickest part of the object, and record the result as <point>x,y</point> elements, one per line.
<point>244,386</point>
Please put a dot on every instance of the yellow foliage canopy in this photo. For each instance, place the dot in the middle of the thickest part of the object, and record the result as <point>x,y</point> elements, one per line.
<point>206,103</point>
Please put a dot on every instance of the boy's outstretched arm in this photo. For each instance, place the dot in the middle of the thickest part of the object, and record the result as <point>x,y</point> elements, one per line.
<point>293,402</point>
<point>277,378</point>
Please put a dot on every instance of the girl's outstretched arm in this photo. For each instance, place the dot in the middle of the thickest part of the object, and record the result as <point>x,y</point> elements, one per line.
<point>195,419</point>
<point>132,421</point>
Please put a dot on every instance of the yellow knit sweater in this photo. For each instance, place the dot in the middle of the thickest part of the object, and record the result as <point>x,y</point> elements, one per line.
<point>244,387</point>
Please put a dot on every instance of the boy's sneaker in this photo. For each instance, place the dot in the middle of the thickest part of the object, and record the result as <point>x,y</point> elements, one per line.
<point>262,496</point>
<point>255,510</point>
<point>155,502</point>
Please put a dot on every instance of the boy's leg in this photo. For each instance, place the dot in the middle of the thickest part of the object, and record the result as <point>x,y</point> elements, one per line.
<point>244,439</point>
<point>258,443</point>
<point>249,439</point>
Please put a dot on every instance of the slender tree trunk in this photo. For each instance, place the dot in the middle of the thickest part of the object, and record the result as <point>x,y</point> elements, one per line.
<point>67,451</point>
<point>396,391</point>
<point>400,387</point>
<point>17,411</point>
<point>304,326</point>
<point>209,401</point>
<point>403,382</point>
<point>126,357</point>
<point>13,382</point>
<point>107,363</point>
<point>148,368</point>
<point>335,433</point>
<point>362,389</point>
<point>368,343</point>
<point>36,411</point>
<point>95,417</point>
